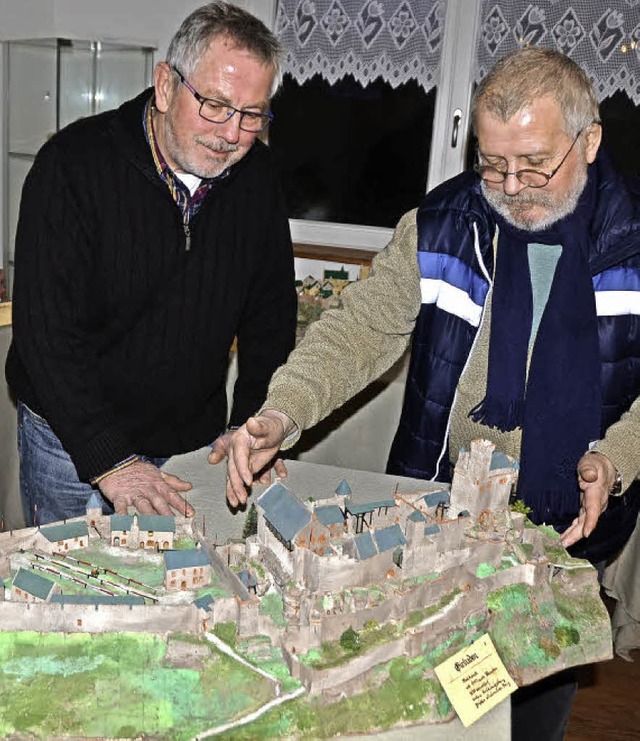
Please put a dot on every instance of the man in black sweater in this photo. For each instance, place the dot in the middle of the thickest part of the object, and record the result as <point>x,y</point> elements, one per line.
<point>149,238</point>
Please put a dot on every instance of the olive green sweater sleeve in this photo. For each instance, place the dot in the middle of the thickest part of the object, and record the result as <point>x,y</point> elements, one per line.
<point>349,347</point>
<point>621,445</point>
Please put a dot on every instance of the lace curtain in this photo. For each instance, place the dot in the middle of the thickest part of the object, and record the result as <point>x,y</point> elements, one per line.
<point>602,36</point>
<point>397,40</point>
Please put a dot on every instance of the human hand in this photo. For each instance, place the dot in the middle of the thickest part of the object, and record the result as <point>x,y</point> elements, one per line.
<point>249,449</point>
<point>596,476</point>
<point>147,488</point>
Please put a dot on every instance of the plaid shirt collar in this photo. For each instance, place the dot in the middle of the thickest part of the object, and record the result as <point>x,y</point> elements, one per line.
<point>188,204</point>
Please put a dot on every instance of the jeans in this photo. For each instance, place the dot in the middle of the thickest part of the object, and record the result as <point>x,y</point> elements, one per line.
<point>49,485</point>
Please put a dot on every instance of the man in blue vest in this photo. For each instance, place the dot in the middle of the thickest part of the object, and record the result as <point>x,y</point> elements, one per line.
<point>519,288</point>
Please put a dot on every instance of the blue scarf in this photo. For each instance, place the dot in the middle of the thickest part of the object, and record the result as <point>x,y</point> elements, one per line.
<point>559,406</point>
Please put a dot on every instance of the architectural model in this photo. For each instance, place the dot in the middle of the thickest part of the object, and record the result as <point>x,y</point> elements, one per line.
<point>327,601</point>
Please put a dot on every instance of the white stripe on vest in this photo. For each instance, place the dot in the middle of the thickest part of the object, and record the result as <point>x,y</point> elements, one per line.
<point>450,299</point>
<point>617,303</point>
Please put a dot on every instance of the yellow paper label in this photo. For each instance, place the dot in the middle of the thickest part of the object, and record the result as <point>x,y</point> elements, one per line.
<point>475,680</point>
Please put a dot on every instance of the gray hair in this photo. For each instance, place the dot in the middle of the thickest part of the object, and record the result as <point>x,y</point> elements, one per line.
<point>219,18</point>
<point>531,73</point>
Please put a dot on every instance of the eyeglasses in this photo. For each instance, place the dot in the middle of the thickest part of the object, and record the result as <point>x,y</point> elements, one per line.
<point>530,178</point>
<point>216,111</point>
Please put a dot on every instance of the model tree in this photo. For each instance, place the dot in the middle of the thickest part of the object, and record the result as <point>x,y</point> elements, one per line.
<point>251,523</point>
<point>350,640</point>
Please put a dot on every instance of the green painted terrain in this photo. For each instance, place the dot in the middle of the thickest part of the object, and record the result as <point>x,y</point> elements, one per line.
<point>120,686</point>
<point>146,686</point>
<point>403,693</point>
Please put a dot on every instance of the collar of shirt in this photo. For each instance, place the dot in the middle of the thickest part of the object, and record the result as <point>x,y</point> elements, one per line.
<point>187,203</point>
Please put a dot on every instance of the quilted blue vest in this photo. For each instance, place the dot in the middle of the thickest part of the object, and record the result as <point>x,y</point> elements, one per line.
<point>455,256</point>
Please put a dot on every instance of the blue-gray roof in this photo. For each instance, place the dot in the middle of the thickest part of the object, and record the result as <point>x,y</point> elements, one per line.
<point>54,533</point>
<point>431,529</point>
<point>330,514</point>
<point>29,581</point>
<point>500,460</point>
<point>157,523</point>
<point>203,603</point>
<point>365,546</point>
<point>417,516</point>
<point>360,509</point>
<point>121,522</point>
<point>186,559</point>
<point>284,511</point>
<point>389,537</point>
<point>343,488</point>
<point>97,599</point>
<point>435,497</point>
<point>95,501</point>
<point>247,578</point>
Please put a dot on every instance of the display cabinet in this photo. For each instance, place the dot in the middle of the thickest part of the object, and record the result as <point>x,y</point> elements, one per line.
<point>48,84</point>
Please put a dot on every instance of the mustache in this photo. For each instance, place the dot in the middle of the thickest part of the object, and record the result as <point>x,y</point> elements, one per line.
<point>524,198</point>
<point>217,144</point>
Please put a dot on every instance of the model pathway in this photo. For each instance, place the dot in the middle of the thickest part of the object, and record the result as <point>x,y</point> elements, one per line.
<point>225,648</point>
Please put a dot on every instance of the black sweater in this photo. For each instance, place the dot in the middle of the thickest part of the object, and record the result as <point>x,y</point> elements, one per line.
<point>121,337</point>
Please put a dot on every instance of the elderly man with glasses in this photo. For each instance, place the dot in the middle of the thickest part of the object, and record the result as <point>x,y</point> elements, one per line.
<point>150,238</point>
<point>518,286</point>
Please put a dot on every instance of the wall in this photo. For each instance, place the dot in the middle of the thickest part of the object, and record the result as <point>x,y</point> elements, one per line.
<point>99,619</point>
<point>149,22</point>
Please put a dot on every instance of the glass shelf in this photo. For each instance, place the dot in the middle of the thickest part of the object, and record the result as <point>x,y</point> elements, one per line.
<point>50,83</point>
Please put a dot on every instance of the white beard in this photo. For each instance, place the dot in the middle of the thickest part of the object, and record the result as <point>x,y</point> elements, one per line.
<point>557,207</point>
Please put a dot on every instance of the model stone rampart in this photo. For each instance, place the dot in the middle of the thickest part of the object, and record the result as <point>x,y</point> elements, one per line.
<point>451,535</point>
<point>321,574</point>
<point>68,618</point>
<point>420,560</point>
<point>248,619</point>
<point>225,610</point>
<point>273,565</point>
<point>280,554</point>
<point>352,677</point>
<point>12,541</point>
<point>483,553</point>
<point>317,680</point>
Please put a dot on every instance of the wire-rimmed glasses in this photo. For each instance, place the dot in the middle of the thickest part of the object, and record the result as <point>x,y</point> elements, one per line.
<point>530,177</point>
<point>216,111</point>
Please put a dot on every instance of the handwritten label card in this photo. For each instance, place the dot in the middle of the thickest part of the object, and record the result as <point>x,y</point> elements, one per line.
<point>475,680</point>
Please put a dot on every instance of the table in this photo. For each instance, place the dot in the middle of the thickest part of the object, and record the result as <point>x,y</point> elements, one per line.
<point>318,481</point>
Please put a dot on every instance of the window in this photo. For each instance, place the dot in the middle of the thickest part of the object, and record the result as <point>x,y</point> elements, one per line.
<point>620,127</point>
<point>352,199</point>
<point>603,38</point>
<point>368,90</point>
<point>352,154</point>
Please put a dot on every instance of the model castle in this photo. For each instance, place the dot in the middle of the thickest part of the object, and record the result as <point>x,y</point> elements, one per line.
<point>334,563</point>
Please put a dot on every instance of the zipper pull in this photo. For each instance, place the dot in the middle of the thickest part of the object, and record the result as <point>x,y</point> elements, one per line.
<point>187,234</point>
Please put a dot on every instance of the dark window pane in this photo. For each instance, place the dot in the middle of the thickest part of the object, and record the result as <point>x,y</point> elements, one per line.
<point>350,154</point>
<point>620,131</point>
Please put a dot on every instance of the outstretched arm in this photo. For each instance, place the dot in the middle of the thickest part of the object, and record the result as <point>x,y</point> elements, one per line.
<point>619,451</point>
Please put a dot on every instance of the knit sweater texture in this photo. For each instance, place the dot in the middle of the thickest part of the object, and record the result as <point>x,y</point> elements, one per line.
<point>121,336</point>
